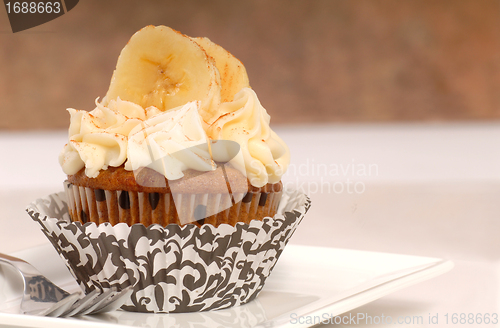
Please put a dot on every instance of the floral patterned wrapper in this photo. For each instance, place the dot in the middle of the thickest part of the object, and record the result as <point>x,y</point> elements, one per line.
<point>174,268</point>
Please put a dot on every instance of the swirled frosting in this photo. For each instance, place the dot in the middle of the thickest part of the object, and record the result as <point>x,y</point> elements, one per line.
<point>170,142</point>
<point>245,121</point>
<point>124,132</point>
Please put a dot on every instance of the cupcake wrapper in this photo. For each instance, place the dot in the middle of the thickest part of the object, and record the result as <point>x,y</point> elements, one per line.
<point>115,206</point>
<point>173,268</point>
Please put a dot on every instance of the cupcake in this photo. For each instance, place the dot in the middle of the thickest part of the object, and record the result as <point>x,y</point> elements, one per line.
<point>179,138</point>
<point>174,181</point>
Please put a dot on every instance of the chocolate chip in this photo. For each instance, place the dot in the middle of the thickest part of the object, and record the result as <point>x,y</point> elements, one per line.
<point>263,198</point>
<point>100,195</point>
<point>124,200</point>
<point>84,217</point>
<point>247,198</point>
<point>199,213</point>
<point>154,199</point>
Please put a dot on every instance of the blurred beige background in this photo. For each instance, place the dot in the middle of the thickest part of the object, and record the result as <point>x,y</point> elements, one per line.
<point>309,61</point>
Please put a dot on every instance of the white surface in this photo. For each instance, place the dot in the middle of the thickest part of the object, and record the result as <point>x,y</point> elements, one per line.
<point>302,285</point>
<point>402,152</point>
<point>436,194</point>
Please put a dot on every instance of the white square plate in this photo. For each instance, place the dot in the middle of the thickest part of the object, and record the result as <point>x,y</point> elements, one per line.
<point>308,283</point>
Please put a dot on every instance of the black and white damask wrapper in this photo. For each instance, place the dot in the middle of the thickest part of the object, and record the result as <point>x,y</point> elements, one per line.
<point>172,268</point>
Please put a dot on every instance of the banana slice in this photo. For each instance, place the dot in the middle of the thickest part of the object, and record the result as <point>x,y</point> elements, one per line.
<point>232,72</point>
<point>163,68</point>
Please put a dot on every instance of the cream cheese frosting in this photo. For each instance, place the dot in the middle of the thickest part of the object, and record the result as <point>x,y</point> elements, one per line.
<point>169,143</point>
<point>245,121</point>
<point>124,132</point>
<point>173,141</point>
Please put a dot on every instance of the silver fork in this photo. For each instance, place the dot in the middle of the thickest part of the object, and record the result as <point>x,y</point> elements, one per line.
<point>43,298</point>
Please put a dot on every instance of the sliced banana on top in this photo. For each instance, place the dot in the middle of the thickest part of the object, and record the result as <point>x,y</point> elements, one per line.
<point>163,68</point>
<point>232,72</point>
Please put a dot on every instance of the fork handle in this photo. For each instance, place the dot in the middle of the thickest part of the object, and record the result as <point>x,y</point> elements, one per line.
<point>31,275</point>
<point>10,258</point>
<point>24,267</point>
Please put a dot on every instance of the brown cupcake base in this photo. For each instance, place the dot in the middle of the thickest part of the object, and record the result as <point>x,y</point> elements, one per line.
<point>117,206</point>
